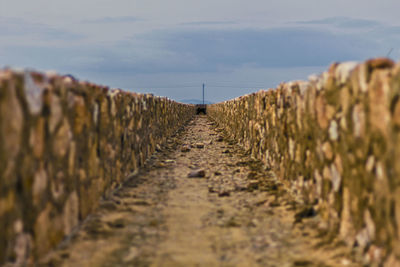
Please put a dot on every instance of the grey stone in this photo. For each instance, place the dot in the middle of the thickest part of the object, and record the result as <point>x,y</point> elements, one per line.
<point>197,174</point>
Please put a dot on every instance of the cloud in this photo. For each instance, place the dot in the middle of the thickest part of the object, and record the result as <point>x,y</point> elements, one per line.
<point>393,31</point>
<point>208,23</point>
<point>214,50</point>
<point>343,22</point>
<point>384,37</point>
<point>202,50</point>
<point>210,49</point>
<point>13,27</point>
<point>107,20</point>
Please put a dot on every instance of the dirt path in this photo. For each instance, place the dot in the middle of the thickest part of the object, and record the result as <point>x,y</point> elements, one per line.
<point>236,215</point>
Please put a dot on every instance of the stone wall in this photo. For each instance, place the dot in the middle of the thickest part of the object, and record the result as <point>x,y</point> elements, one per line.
<point>63,145</point>
<point>334,141</point>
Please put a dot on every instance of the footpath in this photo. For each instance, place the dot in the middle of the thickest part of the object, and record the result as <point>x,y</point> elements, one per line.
<point>201,200</point>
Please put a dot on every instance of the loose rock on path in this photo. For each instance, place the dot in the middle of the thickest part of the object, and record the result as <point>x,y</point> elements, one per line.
<point>233,214</point>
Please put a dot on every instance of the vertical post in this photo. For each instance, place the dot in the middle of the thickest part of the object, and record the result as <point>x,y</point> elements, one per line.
<point>203,93</point>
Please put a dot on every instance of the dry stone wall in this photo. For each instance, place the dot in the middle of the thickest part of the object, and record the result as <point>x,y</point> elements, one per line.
<point>335,141</point>
<point>63,145</point>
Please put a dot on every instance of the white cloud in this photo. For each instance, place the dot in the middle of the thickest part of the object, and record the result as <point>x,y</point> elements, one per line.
<point>343,22</point>
<point>106,20</point>
<point>208,23</point>
<point>16,32</point>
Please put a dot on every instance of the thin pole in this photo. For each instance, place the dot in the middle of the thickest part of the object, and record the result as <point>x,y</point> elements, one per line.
<point>203,93</point>
<point>388,54</point>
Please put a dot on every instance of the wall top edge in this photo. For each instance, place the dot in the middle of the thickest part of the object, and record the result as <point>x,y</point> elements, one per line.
<point>40,81</point>
<point>339,72</point>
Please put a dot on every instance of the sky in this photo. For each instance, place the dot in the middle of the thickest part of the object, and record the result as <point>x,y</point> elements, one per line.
<point>170,48</point>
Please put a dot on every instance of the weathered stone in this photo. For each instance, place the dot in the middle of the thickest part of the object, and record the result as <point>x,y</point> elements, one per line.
<point>370,163</point>
<point>379,170</point>
<point>327,150</point>
<point>224,193</point>
<point>48,230</point>
<point>379,101</point>
<point>346,231</point>
<point>318,183</point>
<point>23,245</point>
<point>56,113</point>
<point>62,139</point>
<point>113,110</point>
<point>333,131</point>
<point>380,63</point>
<point>7,203</point>
<point>57,186</point>
<point>39,185</point>
<point>197,174</point>
<point>36,138</point>
<point>392,261</point>
<point>11,122</point>
<point>18,226</point>
<point>71,213</point>
<point>291,149</point>
<point>324,111</point>
<point>369,224</point>
<point>33,93</point>
<point>336,178</point>
<point>95,114</point>
<point>374,255</point>
<point>358,117</point>
<point>80,116</point>
<point>253,184</point>
<point>71,159</point>
<point>344,70</point>
<point>326,173</point>
<point>339,164</point>
<point>396,111</point>
<point>199,145</point>
<point>158,148</point>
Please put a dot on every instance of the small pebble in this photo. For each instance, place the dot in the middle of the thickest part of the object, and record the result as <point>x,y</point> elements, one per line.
<point>240,187</point>
<point>158,148</point>
<point>185,148</point>
<point>159,165</point>
<point>254,222</point>
<point>197,174</point>
<point>224,194</point>
<point>194,166</point>
<point>253,184</point>
<point>199,145</point>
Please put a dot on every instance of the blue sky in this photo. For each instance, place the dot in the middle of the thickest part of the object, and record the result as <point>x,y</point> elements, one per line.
<point>170,48</point>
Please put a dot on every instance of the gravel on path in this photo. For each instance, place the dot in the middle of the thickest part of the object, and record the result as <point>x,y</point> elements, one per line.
<point>200,200</point>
